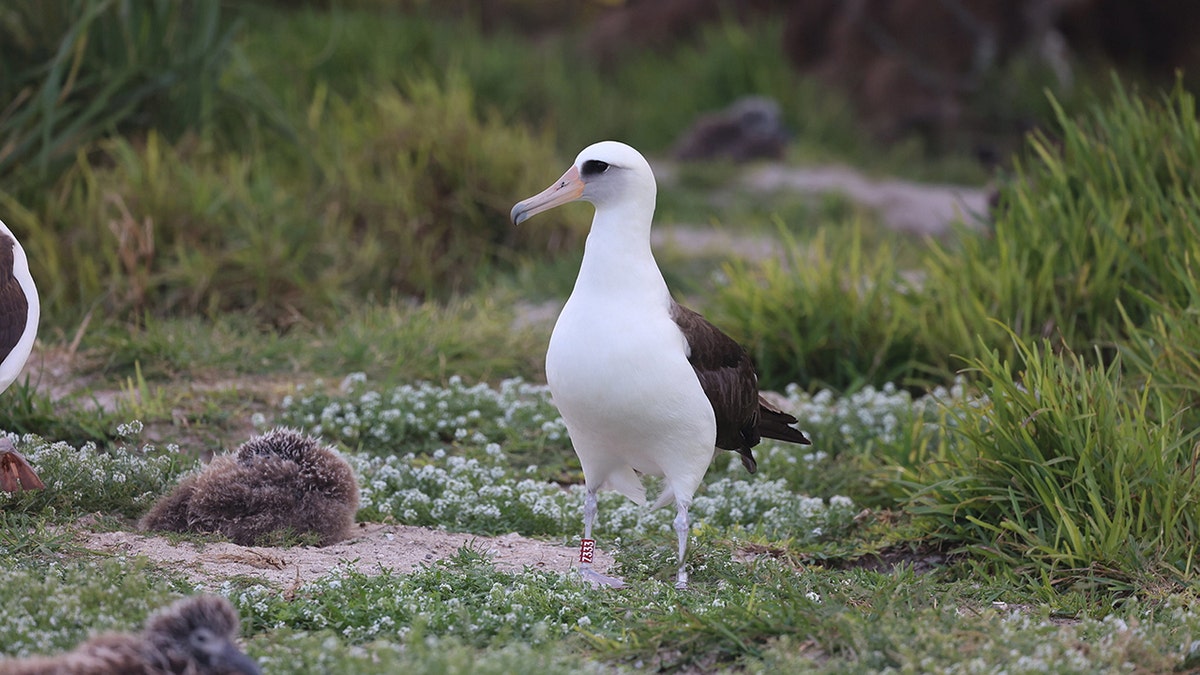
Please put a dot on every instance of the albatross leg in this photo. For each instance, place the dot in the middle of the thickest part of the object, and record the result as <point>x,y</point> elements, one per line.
<point>588,546</point>
<point>682,527</point>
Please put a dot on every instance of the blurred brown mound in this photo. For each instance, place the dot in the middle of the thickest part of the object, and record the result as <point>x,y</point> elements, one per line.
<point>279,482</point>
<point>750,128</point>
<point>910,65</point>
<point>655,24</point>
<point>1157,37</point>
<point>195,635</point>
<point>913,65</point>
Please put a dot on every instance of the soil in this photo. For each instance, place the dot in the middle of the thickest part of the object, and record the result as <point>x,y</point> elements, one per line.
<point>920,209</point>
<point>399,548</point>
<point>917,208</point>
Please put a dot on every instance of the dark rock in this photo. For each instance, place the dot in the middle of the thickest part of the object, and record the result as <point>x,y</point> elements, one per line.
<point>750,128</point>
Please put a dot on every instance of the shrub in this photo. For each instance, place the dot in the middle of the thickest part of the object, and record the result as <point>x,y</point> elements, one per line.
<point>71,70</point>
<point>422,186</point>
<point>645,97</point>
<point>1095,219</point>
<point>180,229</point>
<point>831,315</point>
<point>1067,473</point>
<point>405,196</point>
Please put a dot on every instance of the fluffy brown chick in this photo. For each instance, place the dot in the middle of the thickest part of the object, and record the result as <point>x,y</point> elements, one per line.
<point>195,636</point>
<point>280,481</point>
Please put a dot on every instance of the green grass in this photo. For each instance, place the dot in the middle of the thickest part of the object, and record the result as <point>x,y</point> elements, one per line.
<point>406,195</point>
<point>1067,474</point>
<point>831,314</point>
<point>317,170</point>
<point>1091,240</point>
<point>547,84</point>
<point>27,410</point>
<point>71,72</point>
<point>1165,349</point>
<point>768,590</point>
<point>472,336</point>
<point>335,255</point>
<point>1089,232</point>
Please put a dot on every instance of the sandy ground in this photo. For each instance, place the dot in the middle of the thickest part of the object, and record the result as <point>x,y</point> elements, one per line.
<point>905,206</point>
<point>399,548</point>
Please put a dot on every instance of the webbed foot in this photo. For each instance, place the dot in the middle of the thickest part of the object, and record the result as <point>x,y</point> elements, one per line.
<point>598,580</point>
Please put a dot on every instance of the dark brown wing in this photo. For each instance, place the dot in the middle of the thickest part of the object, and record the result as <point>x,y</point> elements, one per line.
<point>727,376</point>
<point>14,308</point>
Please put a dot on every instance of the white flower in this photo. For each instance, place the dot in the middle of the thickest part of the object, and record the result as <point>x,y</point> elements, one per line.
<point>352,380</point>
<point>130,429</point>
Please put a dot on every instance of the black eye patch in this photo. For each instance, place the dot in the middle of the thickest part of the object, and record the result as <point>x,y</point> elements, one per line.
<point>593,167</point>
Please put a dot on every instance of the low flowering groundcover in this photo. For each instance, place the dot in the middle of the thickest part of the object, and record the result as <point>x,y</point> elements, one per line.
<point>87,479</point>
<point>458,457</point>
<point>424,417</point>
<point>484,471</point>
<point>463,597</point>
<point>451,456</point>
<point>487,496</point>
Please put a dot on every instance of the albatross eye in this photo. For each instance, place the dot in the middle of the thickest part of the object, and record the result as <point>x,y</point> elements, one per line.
<point>202,639</point>
<point>593,167</point>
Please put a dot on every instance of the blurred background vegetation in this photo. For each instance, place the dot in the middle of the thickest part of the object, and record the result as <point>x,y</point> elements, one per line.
<point>292,161</point>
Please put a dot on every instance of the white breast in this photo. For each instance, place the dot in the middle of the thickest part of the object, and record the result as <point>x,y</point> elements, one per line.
<point>619,375</point>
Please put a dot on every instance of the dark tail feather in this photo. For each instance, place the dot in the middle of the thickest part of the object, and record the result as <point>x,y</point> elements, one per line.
<point>776,424</point>
<point>780,431</point>
<point>748,459</point>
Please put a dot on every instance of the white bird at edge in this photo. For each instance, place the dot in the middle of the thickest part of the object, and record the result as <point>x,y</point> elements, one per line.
<point>643,384</point>
<point>19,314</point>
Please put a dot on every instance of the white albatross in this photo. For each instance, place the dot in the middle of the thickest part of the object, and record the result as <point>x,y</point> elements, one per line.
<point>644,385</point>
<point>19,314</point>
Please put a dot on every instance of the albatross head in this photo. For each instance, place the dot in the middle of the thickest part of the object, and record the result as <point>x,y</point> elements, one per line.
<point>607,174</point>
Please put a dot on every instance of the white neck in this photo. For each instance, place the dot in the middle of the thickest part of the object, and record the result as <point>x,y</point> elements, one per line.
<point>617,259</point>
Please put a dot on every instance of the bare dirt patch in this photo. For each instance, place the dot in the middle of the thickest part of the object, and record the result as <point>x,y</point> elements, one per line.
<point>399,548</point>
<point>703,240</point>
<point>923,209</point>
<point>904,206</point>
